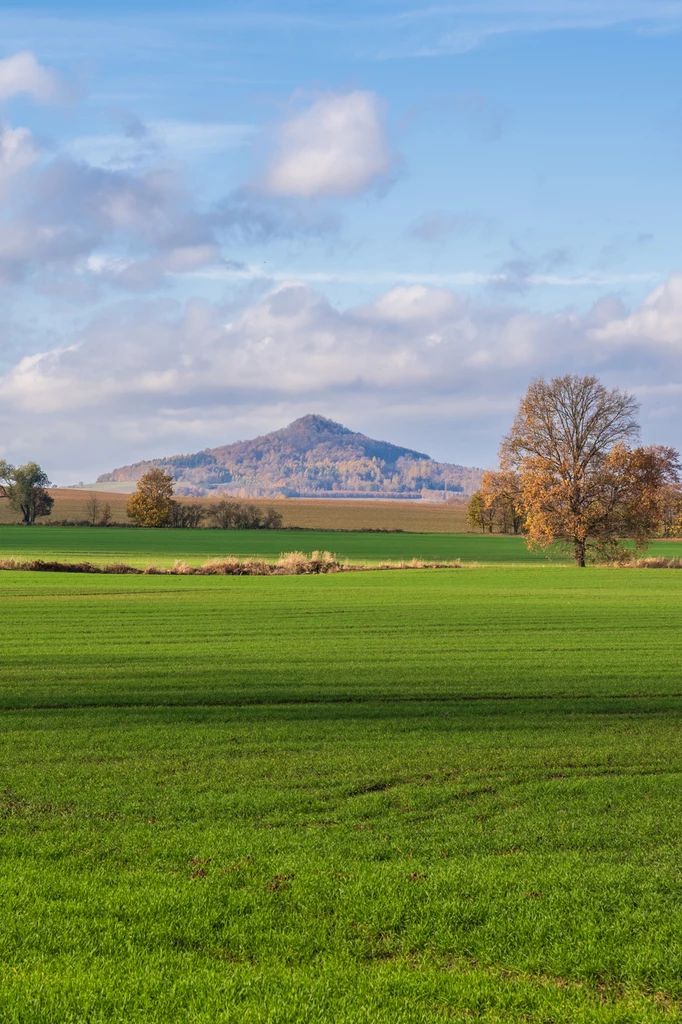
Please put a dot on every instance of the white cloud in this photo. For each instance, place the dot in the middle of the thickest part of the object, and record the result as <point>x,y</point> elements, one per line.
<point>336,147</point>
<point>18,150</point>
<point>414,303</point>
<point>142,274</point>
<point>184,376</point>
<point>22,74</point>
<point>658,321</point>
<point>70,211</point>
<point>127,226</point>
<point>292,342</point>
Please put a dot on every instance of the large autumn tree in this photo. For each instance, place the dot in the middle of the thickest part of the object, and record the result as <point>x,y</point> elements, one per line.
<point>579,479</point>
<point>152,502</point>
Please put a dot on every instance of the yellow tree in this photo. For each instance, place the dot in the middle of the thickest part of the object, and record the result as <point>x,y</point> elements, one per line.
<point>501,495</point>
<point>479,515</point>
<point>152,502</point>
<point>579,480</point>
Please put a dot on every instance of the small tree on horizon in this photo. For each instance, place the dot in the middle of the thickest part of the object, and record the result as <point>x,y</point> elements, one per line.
<point>24,489</point>
<point>479,516</point>
<point>152,502</point>
<point>96,512</point>
<point>93,508</point>
<point>501,496</point>
<point>579,481</point>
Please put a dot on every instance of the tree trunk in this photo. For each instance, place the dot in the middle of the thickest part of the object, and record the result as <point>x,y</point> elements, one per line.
<point>579,546</point>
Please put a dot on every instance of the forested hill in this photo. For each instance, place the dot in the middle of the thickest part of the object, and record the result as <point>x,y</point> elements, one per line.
<point>313,457</point>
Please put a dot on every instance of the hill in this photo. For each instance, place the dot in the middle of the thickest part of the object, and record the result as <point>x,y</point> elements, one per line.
<point>312,457</point>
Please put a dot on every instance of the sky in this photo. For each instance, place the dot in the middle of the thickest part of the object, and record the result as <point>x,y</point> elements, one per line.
<point>217,217</point>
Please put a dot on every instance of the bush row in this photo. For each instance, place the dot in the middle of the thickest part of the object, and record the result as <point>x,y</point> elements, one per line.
<point>294,563</point>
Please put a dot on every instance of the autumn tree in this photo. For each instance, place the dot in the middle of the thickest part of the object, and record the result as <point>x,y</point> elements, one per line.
<point>580,481</point>
<point>670,503</point>
<point>24,489</point>
<point>152,503</point>
<point>479,515</point>
<point>501,497</point>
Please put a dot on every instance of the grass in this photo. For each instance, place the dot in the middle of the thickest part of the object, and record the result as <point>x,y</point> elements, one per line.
<point>139,547</point>
<point>310,513</point>
<point>395,798</point>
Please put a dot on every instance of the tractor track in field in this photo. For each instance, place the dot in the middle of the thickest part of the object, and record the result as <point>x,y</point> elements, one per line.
<point>322,701</point>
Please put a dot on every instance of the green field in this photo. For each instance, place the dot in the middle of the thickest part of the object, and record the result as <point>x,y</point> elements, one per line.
<point>139,547</point>
<point>389,797</point>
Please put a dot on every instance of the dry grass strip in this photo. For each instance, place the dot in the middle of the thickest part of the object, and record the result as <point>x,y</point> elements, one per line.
<point>293,563</point>
<point>651,563</point>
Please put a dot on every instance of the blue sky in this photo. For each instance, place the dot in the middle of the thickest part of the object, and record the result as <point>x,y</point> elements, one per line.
<point>217,217</point>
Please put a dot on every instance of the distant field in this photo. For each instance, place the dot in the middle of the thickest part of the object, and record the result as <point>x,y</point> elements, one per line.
<point>320,514</point>
<point>163,547</point>
<point>386,798</point>
<point>140,547</point>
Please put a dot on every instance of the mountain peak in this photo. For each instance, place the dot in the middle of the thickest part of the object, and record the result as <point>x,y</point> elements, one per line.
<point>314,423</point>
<point>313,455</point>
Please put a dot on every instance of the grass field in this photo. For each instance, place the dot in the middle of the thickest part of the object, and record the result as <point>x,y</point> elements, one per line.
<point>163,547</point>
<point>140,547</point>
<point>388,797</point>
<point>309,513</point>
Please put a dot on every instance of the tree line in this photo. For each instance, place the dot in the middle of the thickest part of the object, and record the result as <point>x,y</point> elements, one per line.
<point>153,504</point>
<point>569,473</point>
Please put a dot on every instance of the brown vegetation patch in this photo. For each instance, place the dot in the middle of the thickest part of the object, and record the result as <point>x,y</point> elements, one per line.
<point>279,882</point>
<point>293,563</point>
<point>653,563</point>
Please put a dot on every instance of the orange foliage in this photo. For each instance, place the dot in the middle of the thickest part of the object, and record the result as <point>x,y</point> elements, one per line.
<point>578,479</point>
<point>152,502</point>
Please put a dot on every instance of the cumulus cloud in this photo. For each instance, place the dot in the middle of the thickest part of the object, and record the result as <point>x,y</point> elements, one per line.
<point>336,147</point>
<point>413,348</point>
<point>69,210</point>
<point>411,304</point>
<point>170,377</point>
<point>127,217</point>
<point>18,150</point>
<point>22,74</point>
<point>292,342</point>
<point>124,225</point>
<point>658,321</point>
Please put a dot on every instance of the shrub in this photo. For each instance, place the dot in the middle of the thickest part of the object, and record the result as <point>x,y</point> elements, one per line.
<point>186,516</point>
<point>233,515</point>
